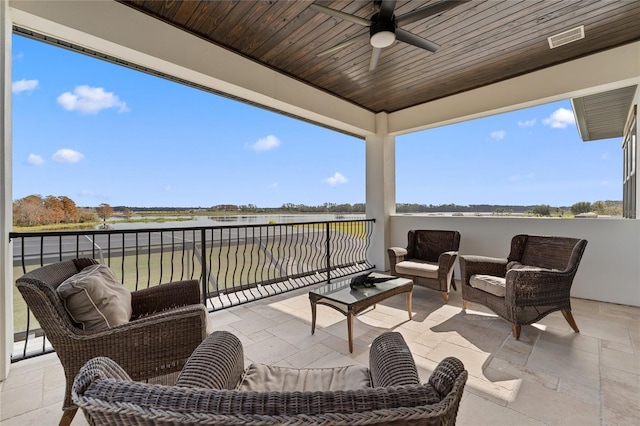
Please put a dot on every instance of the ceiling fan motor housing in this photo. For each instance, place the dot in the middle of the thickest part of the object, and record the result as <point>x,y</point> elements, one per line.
<point>382,32</point>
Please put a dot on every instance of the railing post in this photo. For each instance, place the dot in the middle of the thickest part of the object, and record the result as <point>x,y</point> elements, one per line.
<point>328,252</point>
<point>203,263</point>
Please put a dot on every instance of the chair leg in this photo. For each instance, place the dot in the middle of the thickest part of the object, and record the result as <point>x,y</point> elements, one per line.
<point>445,296</point>
<point>67,417</point>
<point>569,317</point>
<point>515,329</point>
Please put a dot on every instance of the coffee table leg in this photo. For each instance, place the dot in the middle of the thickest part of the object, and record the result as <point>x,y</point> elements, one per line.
<point>313,317</point>
<point>350,330</point>
<point>409,297</point>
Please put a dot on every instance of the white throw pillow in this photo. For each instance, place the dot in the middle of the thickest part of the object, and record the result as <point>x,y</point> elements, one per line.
<point>95,299</point>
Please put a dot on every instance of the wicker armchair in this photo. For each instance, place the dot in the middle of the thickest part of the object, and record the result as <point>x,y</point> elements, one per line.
<point>168,323</point>
<point>428,259</point>
<point>532,282</point>
<point>211,390</point>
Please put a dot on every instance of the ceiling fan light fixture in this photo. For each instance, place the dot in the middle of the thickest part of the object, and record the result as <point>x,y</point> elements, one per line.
<point>382,32</point>
<point>383,39</point>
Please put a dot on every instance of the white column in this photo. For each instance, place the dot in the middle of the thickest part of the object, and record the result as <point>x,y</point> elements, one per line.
<point>381,188</point>
<point>6,270</point>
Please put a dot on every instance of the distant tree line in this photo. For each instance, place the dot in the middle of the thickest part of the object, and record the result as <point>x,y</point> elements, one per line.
<point>36,210</point>
<point>608,207</point>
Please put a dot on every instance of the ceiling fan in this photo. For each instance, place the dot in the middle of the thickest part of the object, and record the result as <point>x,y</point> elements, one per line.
<point>384,26</point>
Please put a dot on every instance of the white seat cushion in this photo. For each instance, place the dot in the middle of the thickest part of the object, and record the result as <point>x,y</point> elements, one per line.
<point>419,268</point>
<point>494,285</point>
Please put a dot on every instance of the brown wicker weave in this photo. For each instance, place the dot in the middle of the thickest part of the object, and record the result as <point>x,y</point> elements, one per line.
<point>434,246</point>
<point>205,392</point>
<point>168,323</point>
<point>530,294</point>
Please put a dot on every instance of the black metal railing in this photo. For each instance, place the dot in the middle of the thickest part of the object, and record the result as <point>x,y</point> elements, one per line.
<point>235,264</point>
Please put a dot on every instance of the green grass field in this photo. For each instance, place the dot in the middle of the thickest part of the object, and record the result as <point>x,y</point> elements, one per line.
<point>225,265</point>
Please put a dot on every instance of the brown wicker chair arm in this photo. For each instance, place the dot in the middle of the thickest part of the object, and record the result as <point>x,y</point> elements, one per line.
<point>198,311</point>
<point>97,368</point>
<point>445,375</point>
<point>446,261</point>
<point>396,255</point>
<point>537,287</point>
<point>196,314</point>
<point>165,296</point>
<point>391,362</point>
<point>217,363</point>
<point>472,265</point>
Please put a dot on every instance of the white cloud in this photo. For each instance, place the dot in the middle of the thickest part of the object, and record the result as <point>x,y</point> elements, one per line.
<point>266,144</point>
<point>24,86</point>
<point>67,156</point>
<point>527,123</point>
<point>336,179</point>
<point>167,188</point>
<point>90,100</point>
<point>35,160</point>
<point>274,185</point>
<point>498,134</point>
<point>560,119</point>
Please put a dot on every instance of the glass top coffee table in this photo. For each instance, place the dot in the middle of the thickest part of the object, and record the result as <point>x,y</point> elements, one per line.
<point>340,297</point>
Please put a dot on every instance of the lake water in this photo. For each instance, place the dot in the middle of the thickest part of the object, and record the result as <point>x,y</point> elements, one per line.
<point>118,222</point>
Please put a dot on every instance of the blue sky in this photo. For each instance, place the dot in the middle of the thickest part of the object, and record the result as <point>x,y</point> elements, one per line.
<point>101,133</point>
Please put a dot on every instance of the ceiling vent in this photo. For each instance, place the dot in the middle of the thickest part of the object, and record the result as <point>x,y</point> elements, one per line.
<point>565,37</point>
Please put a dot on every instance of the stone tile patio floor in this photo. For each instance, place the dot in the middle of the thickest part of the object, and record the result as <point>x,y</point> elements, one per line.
<point>551,376</point>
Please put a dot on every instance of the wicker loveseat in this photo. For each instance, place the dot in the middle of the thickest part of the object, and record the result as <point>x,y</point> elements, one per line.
<point>533,281</point>
<point>428,259</point>
<point>215,388</point>
<point>167,324</point>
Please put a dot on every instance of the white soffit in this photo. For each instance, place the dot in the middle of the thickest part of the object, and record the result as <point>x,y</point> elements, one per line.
<point>603,115</point>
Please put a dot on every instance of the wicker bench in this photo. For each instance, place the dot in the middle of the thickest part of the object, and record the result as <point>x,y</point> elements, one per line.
<point>212,389</point>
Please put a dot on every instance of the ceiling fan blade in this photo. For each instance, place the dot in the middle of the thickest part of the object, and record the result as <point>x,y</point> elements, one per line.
<point>425,12</point>
<point>338,14</point>
<point>345,43</point>
<point>415,40</point>
<point>375,55</point>
<point>386,9</point>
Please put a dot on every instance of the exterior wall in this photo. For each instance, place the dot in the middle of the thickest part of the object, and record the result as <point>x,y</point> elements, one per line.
<point>609,270</point>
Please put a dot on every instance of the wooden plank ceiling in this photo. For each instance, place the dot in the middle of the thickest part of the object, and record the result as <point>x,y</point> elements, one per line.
<point>481,42</point>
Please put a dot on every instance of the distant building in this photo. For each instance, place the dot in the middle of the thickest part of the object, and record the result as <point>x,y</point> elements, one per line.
<point>613,114</point>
